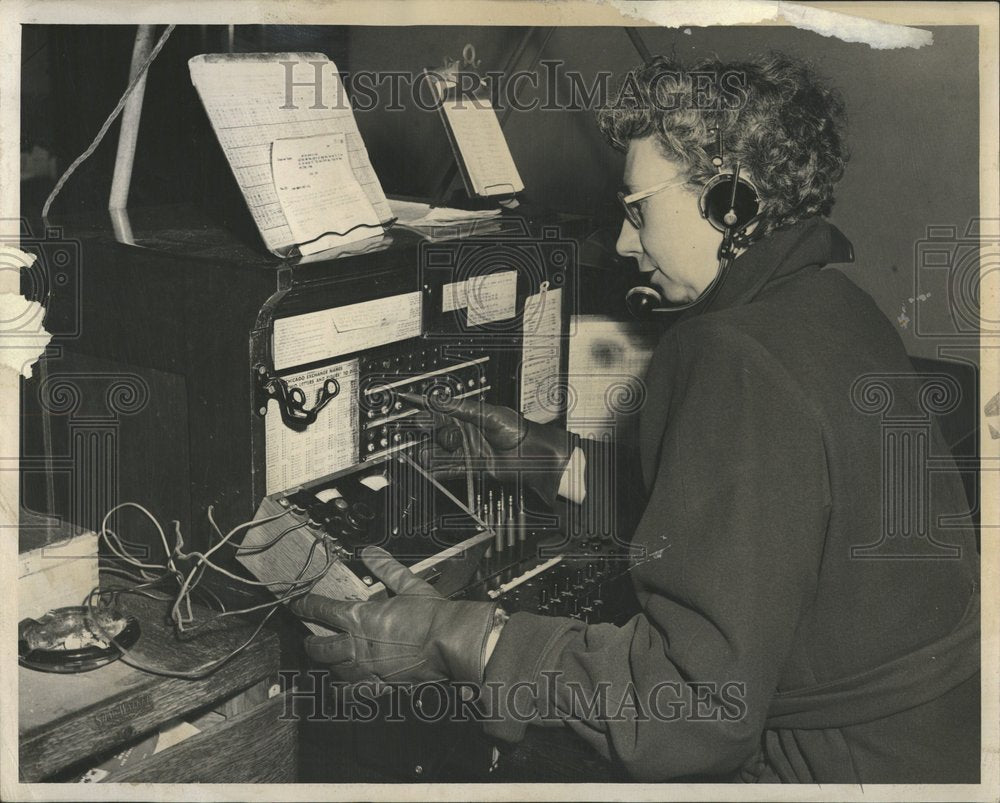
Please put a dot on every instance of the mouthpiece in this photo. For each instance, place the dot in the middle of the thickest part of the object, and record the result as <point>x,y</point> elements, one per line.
<point>642,301</point>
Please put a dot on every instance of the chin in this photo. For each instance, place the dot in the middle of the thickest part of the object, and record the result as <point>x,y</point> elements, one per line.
<point>671,291</point>
<point>674,293</point>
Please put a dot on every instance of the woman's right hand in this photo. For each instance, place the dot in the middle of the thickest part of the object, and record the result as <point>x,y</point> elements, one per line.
<point>470,432</point>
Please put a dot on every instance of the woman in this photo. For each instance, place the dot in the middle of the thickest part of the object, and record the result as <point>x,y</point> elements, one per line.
<point>781,637</point>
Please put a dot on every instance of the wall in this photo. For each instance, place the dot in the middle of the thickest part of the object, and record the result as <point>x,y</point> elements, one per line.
<point>913,135</point>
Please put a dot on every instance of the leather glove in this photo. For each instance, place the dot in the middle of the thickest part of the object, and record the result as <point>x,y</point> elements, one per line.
<point>416,636</point>
<point>499,440</point>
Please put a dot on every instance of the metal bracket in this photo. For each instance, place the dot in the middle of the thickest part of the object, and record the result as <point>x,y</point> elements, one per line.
<point>291,400</point>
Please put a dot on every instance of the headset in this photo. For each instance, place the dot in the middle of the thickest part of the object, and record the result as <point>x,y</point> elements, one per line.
<point>731,204</point>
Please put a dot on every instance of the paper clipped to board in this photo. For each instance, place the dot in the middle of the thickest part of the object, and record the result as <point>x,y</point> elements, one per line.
<point>255,100</point>
<point>478,141</point>
<point>323,202</point>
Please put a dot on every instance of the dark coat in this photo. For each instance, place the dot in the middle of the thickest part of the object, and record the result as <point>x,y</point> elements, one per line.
<point>771,564</point>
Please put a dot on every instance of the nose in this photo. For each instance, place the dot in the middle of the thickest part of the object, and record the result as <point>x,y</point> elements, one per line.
<point>629,244</point>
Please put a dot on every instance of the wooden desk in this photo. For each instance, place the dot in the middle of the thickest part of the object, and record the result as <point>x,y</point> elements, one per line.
<point>69,723</point>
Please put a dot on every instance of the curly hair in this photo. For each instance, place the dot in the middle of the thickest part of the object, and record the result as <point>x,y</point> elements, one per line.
<point>784,126</point>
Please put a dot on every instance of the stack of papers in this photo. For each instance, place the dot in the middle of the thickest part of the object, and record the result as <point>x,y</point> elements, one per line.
<point>443,223</point>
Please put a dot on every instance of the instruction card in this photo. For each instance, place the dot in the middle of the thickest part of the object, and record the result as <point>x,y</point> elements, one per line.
<point>488,298</point>
<point>329,444</point>
<point>326,333</point>
<point>541,354</point>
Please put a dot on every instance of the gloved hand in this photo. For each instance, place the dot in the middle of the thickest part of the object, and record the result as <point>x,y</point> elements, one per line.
<point>499,440</point>
<point>416,636</point>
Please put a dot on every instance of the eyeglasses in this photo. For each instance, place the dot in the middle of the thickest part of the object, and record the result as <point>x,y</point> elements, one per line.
<point>630,203</point>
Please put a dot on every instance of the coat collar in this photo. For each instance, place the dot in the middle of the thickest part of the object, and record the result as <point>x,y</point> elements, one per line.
<point>810,243</point>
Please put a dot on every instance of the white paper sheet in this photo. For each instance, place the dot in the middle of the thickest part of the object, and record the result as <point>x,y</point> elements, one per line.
<point>329,444</point>
<point>453,297</point>
<point>245,97</point>
<point>414,213</point>
<point>541,354</point>
<point>491,298</point>
<point>607,368</point>
<point>319,194</point>
<point>488,298</point>
<point>327,333</point>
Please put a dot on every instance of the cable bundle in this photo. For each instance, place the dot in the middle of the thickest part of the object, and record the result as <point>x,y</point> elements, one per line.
<point>186,570</point>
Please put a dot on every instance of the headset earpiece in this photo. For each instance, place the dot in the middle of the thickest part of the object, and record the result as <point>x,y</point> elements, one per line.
<point>729,202</point>
<point>726,206</point>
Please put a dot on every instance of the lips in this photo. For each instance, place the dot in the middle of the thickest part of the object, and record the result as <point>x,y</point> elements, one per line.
<point>646,274</point>
<point>646,271</point>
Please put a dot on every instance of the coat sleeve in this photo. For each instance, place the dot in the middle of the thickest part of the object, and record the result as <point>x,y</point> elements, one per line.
<point>728,549</point>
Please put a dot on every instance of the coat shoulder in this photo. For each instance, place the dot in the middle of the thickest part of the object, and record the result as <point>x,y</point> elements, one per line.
<point>823,321</point>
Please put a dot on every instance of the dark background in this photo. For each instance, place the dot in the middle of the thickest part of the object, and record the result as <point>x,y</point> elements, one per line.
<point>914,123</point>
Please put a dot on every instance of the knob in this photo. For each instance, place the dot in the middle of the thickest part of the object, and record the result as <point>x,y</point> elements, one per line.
<point>362,511</point>
<point>383,442</point>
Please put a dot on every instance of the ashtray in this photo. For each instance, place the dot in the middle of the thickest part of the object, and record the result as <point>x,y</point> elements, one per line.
<point>75,639</point>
